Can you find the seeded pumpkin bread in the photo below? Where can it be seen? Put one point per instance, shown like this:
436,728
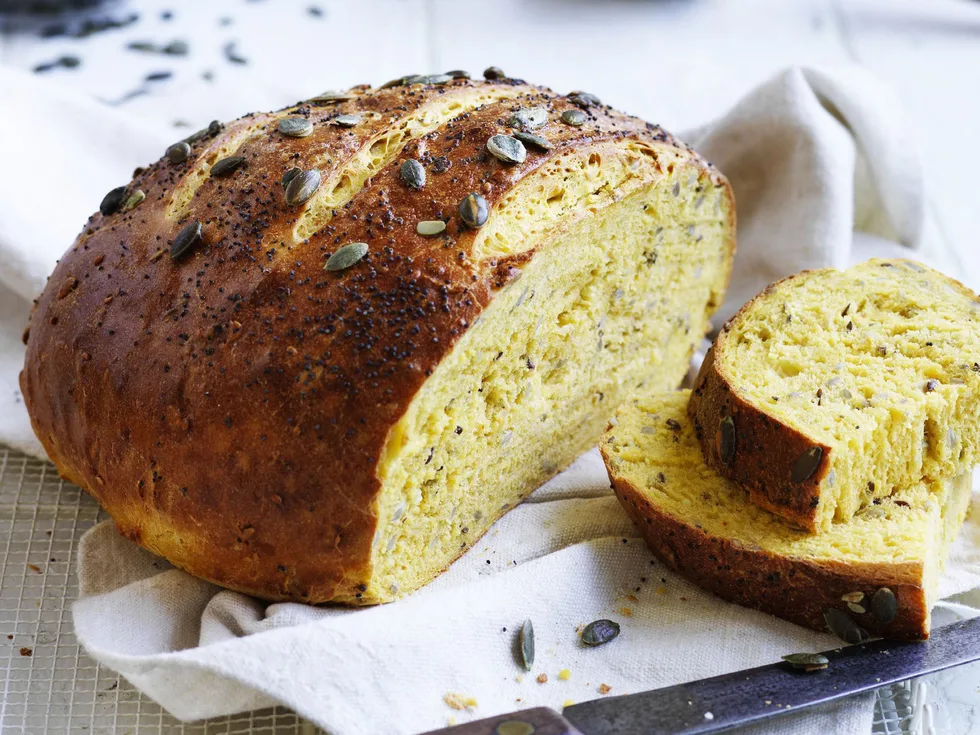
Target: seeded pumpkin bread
832,389
314,354
875,575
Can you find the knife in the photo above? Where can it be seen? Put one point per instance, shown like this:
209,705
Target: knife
744,697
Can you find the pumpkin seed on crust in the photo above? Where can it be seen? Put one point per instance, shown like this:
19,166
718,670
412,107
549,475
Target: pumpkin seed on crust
350,254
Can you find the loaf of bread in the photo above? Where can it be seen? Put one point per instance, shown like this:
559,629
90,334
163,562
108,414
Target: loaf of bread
314,354
875,575
832,389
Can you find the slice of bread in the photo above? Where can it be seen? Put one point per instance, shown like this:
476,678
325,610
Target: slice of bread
704,527
831,389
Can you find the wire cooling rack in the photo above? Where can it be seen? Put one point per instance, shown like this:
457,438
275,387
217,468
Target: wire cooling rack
51,686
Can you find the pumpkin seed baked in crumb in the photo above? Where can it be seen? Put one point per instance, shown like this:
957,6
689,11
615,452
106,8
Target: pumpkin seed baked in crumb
832,389
874,575
333,344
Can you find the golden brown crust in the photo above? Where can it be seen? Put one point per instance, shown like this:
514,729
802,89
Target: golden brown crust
765,450
229,408
797,590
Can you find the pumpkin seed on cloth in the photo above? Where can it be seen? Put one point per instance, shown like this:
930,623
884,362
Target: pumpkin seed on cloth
507,149
302,186
413,174
187,239
295,127
526,643
348,255
600,631
178,152
227,166
474,211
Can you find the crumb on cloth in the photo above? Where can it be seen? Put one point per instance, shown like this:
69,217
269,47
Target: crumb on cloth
459,701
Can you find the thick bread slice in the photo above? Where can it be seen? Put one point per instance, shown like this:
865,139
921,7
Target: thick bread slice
831,389
704,526
343,434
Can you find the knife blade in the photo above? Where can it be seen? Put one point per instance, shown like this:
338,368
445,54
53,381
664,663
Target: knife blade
744,697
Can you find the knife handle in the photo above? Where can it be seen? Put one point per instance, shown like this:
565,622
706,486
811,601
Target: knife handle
537,721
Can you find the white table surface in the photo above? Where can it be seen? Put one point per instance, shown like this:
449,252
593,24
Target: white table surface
676,62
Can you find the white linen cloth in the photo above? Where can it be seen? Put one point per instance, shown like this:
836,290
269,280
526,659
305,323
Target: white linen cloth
813,156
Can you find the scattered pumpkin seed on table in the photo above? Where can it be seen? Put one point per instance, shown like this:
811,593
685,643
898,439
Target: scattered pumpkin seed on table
473,210
413,174
113,201
302,186
227,166
600,631
575,118
507,149
345,257
526,642
189,237
295,127
178,152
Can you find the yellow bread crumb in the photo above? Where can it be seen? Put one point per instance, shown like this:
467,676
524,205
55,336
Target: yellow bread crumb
459,701
564,674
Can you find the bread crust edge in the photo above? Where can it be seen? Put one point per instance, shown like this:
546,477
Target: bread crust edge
752,578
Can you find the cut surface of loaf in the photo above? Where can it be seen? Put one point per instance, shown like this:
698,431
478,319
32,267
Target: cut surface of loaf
831,389
398,318
878,572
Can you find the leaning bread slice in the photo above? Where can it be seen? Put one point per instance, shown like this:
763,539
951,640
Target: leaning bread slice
876,574
831,389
